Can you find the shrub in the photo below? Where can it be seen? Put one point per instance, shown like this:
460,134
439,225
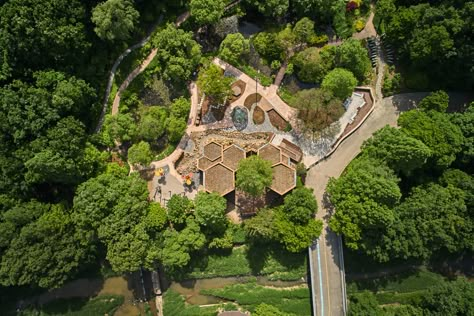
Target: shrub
359,25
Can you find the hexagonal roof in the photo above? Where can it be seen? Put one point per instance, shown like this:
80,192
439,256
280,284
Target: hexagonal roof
220,179
284,178
232,156
213,151
270,153
204,163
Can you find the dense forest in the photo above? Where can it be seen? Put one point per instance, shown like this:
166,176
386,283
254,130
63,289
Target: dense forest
433,41
69,204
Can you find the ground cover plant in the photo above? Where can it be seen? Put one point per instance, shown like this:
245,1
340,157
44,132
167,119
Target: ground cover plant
409,296
100,305
270,261
175,305
295,301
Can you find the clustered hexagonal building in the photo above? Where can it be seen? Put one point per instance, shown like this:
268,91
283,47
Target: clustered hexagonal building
219,164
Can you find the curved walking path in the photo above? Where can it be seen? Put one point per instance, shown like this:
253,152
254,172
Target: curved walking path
329,283
117,63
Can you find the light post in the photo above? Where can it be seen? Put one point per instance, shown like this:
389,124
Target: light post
256,87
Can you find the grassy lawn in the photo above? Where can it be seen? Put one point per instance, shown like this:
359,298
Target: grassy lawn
101,305
249,295
274,263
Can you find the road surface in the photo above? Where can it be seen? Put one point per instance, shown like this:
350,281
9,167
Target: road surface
328,271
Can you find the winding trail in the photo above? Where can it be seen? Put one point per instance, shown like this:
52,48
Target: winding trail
117,63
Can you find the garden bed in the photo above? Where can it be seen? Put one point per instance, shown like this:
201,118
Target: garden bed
252,99
242,85
258,116
277,120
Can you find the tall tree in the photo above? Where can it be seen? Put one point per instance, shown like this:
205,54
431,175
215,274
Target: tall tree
401,152
210,209
340,82
36,35
45,253
436,131
107,209
274,8
207,11
152,124
304,30
300,205
114,19
352,56
364,303
313,64
436,101
450,298
140,154
179,208
254,175
178,54
233,47
214,84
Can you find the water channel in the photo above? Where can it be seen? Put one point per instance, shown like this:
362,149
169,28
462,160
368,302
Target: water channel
190,289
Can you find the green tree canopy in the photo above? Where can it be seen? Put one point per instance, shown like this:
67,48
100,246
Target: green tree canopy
45,252
268,46
364,303
465,122
115,19
254,175
401,152
233,47
304,30
313,64
152,123
177,246
340,82
436,101
273,8
120,127
107,209
352,55
300,205
207,11
214,84
36,35
261,226
175,129
296,237
436,131
140,154
268,310
210,209
437,217
180,108
157,218
179,208
178,54
450,298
